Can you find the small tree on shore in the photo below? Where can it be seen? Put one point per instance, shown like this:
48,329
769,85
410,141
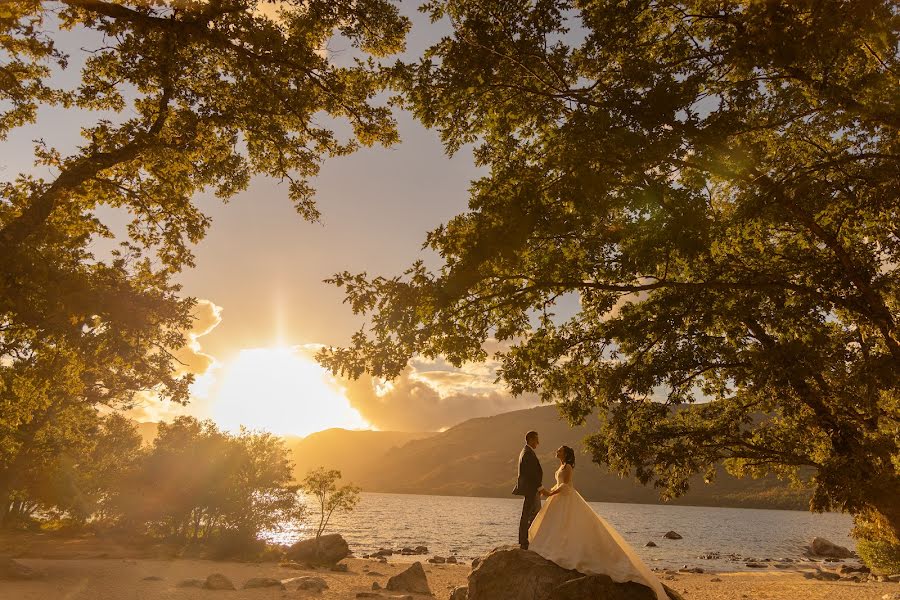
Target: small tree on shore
321,484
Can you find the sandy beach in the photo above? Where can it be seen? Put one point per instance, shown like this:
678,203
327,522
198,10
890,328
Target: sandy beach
124,579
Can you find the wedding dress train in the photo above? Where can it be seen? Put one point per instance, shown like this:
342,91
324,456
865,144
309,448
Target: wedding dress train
568,532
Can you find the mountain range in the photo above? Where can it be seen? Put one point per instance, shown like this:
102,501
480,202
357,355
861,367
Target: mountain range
478,458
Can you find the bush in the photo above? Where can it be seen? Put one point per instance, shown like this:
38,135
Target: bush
881,556
875,544
235,545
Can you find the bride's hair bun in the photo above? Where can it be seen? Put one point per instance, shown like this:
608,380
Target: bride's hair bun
569,456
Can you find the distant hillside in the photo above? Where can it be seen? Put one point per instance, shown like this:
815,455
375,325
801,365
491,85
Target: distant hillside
478,458
355,453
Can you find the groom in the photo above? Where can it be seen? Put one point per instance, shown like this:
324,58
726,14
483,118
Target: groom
527,484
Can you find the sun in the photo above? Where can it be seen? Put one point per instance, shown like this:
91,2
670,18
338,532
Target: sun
282,391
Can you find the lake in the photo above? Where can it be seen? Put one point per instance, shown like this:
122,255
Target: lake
469,527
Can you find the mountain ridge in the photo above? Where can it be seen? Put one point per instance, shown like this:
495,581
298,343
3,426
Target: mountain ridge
478,458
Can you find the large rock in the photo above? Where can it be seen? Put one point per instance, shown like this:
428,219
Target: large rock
460,593
263,582
601,586
327,550
13,569
315,584
823,547
217,581
509,573
411,580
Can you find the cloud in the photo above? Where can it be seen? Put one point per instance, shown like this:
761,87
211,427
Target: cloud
190,360
431,395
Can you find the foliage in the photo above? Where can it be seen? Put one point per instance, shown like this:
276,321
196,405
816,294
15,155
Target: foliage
714,184
191,96
198,483
876,543
321,484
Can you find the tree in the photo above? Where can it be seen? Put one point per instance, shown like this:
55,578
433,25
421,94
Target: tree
196,95
321,484
715,184
197,483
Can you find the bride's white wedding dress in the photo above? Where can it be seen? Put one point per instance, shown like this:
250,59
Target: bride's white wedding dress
568,532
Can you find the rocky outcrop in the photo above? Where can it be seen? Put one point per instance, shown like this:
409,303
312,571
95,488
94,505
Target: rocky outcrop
672,535
823,547
327,550
412,580
509,573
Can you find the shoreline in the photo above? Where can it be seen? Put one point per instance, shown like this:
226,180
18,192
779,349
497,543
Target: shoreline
156,579
674,504
63,546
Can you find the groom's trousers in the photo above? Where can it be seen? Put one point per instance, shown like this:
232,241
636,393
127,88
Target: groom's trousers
530,509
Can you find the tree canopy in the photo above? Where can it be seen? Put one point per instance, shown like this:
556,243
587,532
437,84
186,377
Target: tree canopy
190,95
716,184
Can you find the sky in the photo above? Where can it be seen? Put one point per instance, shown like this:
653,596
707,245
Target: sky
263,308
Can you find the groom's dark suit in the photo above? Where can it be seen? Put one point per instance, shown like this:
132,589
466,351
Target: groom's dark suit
527,484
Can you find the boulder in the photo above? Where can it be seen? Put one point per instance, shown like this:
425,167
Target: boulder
650,545
823,547
340,568
437,560
460,593
315,584
452,560
327,550
822,575
510,573
411,580
263,582
189,583
217,581
672,535
601,586
13,569
376,585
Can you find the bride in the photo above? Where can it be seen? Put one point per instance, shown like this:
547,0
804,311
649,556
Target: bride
568,532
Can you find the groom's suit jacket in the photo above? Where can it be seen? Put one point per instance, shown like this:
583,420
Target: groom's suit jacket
531,475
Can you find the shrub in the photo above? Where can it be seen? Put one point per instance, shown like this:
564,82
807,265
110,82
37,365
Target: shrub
876,545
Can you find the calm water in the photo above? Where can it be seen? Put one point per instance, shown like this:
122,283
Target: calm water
470,527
